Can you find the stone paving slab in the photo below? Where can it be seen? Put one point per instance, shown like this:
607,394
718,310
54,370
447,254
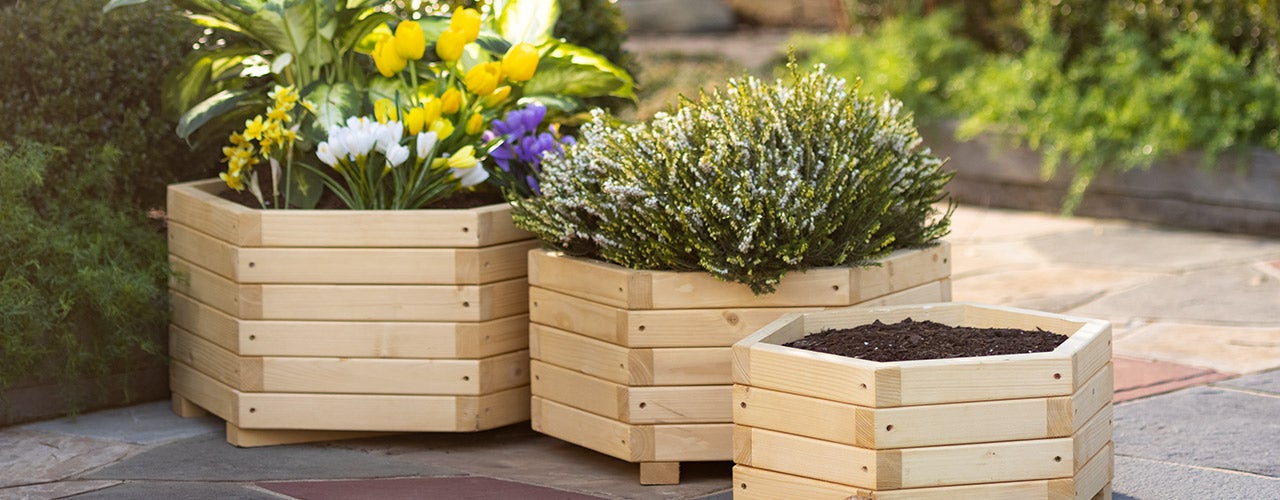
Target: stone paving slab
1203,426
1240,295
1142,248
1142,479
149,423
59,489
1055,289
517,453
452,488
30,457
1268,382
1136,378
210,458
968,259
1229,349
179,490
971,224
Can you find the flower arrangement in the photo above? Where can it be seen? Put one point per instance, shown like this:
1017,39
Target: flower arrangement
438,80
747,184
525,138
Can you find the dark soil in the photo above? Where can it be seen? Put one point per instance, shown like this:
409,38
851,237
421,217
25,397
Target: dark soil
910,340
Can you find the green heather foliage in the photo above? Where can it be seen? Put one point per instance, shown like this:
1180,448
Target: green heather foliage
81,283
747,184
1092,88
75,78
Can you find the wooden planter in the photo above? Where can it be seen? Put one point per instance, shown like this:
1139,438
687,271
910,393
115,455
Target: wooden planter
636,364
815,425
291,325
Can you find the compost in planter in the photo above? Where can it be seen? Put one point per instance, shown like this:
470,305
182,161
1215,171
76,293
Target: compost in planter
912,340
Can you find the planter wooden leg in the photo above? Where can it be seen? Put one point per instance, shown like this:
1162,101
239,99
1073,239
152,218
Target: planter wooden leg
659,472
1104,494
249,438
184,408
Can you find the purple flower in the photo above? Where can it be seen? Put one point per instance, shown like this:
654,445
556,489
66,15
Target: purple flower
523,146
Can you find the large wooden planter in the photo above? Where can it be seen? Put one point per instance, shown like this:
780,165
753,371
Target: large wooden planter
293,324
636,364
814,425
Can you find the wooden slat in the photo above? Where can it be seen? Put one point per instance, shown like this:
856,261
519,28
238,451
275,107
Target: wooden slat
691,442
641,367
794,371
1093,355
588,430
494,263
208,323
365,412
198,388
250,438
578,353
698,327
633,405
494,410
184,407
384,339
193,204
584,392
911,467
1068,414
572,314
659,473
378,266
825,287
394,302
395,376
752,483
203,250
983,379
902,427
217,363
1092,436
206,287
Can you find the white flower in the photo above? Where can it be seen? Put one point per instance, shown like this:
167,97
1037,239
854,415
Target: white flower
397,155
358,142
426,143
326,154
388,135
470,176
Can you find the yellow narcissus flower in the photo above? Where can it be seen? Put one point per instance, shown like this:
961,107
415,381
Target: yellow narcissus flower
385,57
483,79
450,44
520,62
253,128
384,110
414,120
475,124
233,181
279,113
442,127
467,22
410,42
238,139
451,101
499,95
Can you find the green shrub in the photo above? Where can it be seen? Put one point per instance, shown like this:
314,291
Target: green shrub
747,184
82,282
75,78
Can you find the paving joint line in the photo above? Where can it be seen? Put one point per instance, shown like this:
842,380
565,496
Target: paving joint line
1201,467
1242,390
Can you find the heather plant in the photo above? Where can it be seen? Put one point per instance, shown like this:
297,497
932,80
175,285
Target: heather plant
747,183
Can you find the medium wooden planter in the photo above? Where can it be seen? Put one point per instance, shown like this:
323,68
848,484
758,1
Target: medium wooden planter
815,425
636,364
291,325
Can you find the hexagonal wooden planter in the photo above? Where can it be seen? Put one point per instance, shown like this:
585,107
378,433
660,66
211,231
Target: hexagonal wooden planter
636,364
305,325
816,425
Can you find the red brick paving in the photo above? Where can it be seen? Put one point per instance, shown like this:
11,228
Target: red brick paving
426,488
1137,378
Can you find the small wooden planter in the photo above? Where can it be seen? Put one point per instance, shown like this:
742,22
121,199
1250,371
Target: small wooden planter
636,364
816,425
306,325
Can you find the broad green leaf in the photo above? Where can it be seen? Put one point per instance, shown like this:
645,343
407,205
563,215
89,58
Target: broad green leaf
577,71
552,102
334,103
120,3
530,21
353,38
388,88
493,43
200,75
304,187
213,22
215,105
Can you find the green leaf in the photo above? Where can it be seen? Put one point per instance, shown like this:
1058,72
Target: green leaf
557,102
353,37
120,3
200,73
530,21
304,187
493,44
577,71
209,108
334,103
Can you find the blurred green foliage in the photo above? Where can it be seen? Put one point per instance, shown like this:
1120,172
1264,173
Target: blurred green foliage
1093,87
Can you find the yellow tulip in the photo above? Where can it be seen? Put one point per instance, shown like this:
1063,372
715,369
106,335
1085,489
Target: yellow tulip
443,128
384,110
432,106
451,101
415,119
483,79
520,62
410,42
467,22
499,95
475,124
450,44
385,57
